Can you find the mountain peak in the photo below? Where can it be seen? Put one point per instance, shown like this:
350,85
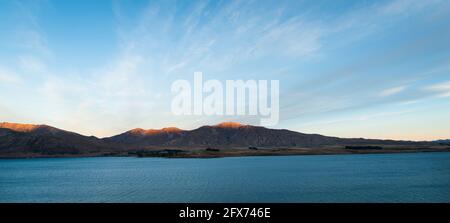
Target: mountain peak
230,125
137,130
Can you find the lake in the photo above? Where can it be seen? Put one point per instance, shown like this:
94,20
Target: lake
406,177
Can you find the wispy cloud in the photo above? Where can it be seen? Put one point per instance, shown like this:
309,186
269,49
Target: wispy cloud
441,89
31,64
9,77
407,6
444,86
391,91
29,34
328,60
358,118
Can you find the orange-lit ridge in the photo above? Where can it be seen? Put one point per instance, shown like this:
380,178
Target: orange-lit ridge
156,131
230,125
19,127
177,130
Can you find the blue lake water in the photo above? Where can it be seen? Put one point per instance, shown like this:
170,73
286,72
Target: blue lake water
407,177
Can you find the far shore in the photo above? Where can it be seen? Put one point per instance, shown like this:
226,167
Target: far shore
235,152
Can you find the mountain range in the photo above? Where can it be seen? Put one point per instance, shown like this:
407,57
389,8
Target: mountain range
43,140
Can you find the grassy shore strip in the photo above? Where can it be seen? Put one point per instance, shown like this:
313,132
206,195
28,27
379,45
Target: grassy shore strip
232,152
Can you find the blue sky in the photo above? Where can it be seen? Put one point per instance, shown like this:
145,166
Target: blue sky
373,69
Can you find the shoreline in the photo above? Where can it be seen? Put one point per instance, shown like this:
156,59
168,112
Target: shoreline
202,154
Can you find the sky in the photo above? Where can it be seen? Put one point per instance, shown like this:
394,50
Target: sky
372,69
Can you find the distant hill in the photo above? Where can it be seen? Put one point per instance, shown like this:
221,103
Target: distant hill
47,140
41,140
443,141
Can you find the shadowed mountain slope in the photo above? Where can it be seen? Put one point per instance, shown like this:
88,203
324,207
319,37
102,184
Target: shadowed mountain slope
43,139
